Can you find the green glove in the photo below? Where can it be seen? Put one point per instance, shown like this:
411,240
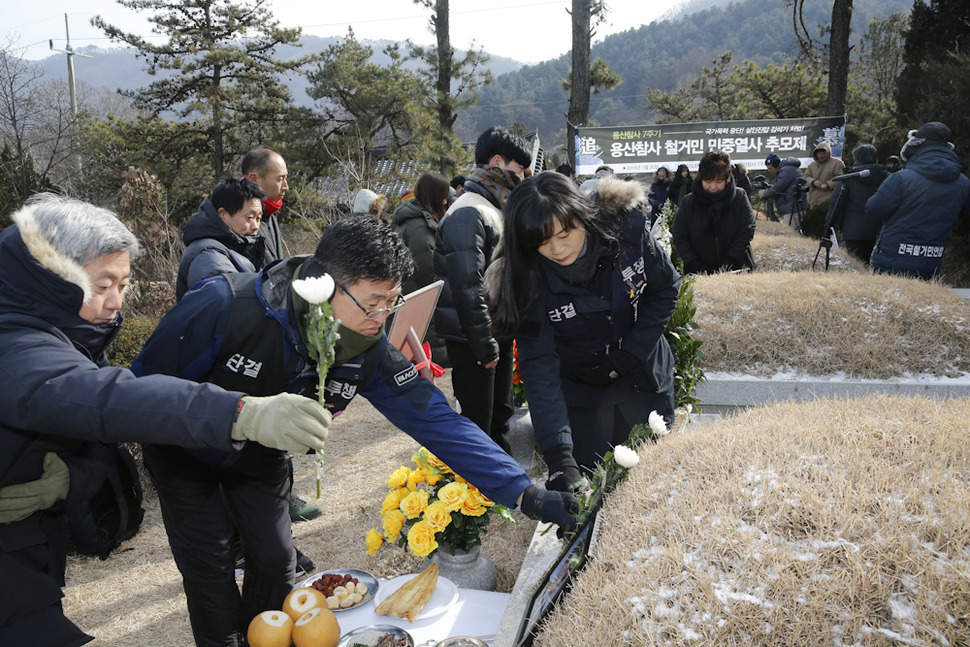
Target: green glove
24,499
286,421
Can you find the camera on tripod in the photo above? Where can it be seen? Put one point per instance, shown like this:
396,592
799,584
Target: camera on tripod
760,184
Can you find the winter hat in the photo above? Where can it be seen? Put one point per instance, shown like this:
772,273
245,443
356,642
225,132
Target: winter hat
772,160
933,133
363,199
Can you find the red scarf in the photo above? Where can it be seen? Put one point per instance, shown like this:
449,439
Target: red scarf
270,207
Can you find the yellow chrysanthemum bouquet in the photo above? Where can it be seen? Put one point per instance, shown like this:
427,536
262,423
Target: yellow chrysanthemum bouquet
431,505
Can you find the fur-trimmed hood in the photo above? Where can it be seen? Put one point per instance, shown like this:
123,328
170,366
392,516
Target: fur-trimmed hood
47,255
36,278
614,196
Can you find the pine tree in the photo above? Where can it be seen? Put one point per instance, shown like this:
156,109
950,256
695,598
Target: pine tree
225,72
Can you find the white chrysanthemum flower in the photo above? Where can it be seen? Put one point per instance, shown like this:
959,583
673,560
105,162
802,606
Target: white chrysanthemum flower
625,456
657,424
316,289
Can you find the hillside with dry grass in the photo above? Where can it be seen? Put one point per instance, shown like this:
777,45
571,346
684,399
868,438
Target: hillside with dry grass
785,318
823,523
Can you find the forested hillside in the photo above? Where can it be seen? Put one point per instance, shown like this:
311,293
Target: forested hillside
663,55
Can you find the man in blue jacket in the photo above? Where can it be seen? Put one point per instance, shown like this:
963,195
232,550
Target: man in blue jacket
64,267
783,190
247,332
919,205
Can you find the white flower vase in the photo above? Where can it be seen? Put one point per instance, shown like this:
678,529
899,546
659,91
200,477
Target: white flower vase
468,569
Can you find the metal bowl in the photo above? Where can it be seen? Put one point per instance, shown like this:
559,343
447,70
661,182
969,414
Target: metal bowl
359,635
462,641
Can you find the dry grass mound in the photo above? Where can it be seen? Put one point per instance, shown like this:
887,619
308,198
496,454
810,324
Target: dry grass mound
856,325
847,528
779,248
135,598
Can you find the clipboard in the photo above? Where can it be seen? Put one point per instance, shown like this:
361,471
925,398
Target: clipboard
411,323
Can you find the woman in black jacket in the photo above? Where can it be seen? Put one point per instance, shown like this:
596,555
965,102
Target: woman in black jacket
680,185
715,224
586,292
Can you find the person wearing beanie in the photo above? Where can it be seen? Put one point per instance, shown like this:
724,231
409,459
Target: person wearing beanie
367,202
893,164
783,190
820,172
918,205
849,198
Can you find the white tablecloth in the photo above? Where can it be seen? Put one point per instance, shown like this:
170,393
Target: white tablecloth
476,613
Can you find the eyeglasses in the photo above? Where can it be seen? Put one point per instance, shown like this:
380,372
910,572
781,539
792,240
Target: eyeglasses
374,314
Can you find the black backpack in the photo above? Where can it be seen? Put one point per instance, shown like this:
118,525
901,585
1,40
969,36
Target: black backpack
99,525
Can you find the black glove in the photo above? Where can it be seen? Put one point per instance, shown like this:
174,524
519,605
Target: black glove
623,361
600,375
564,473
550,507
695,267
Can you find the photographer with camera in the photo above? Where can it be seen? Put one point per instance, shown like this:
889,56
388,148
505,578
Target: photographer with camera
783,190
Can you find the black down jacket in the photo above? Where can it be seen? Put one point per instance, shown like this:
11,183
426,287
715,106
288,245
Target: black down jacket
464,245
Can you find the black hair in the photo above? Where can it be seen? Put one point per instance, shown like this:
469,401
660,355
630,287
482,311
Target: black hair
256,160
502,141
233,192
457,181
431,191
715,165
566,169
537,209
363,248
865,154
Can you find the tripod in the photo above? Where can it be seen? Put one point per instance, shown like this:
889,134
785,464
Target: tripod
800,206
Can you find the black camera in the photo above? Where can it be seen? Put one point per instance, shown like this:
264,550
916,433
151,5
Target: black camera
760,184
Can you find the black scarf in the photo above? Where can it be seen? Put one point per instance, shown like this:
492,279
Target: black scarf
583,268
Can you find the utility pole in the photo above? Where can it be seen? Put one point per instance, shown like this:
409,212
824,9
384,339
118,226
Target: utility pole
71,84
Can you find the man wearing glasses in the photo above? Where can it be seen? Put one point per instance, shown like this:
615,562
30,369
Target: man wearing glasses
246,330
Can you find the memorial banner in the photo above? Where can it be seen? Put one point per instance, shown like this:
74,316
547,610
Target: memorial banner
644,149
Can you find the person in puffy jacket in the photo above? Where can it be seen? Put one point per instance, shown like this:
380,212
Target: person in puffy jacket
783,190
859,229
919,205
820,172
221,237
714,226
64,267
249,332
586,292
465,243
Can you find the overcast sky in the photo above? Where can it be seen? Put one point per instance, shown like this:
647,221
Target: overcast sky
532,31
